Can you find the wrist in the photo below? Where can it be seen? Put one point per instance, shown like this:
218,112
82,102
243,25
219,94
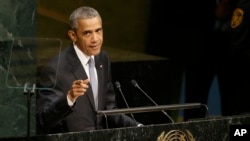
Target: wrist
69,96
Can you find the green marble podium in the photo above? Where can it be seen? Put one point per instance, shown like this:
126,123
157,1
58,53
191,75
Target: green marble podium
210,129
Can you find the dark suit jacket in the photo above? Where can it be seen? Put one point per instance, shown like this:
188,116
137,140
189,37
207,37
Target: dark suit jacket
54,115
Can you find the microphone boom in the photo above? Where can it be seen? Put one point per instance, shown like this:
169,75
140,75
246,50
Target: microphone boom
135,84
118,86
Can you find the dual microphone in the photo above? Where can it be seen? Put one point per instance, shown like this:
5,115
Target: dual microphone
135,84
118,86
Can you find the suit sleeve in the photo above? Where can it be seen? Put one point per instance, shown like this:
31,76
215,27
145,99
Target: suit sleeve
51,103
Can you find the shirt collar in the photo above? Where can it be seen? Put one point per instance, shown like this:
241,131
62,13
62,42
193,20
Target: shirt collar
82,56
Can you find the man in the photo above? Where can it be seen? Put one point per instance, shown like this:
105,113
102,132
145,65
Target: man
66,102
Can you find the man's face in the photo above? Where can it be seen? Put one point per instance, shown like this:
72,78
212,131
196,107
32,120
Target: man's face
88,36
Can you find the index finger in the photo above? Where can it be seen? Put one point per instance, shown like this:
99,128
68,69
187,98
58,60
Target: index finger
86,81
78,81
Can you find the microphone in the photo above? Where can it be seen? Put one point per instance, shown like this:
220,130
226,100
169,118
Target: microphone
118,86
135,84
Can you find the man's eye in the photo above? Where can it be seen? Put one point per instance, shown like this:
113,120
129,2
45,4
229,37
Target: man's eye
86,33
99,30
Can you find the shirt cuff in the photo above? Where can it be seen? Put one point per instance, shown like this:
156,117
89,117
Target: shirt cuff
70,103
139,125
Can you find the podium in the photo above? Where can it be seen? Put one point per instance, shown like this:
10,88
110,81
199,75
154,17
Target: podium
211,129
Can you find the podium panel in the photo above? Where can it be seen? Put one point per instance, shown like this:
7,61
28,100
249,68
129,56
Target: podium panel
213,129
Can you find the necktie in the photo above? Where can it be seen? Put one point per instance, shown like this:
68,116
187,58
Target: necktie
93,80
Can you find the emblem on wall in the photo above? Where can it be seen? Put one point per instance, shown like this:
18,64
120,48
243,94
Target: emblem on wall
176,135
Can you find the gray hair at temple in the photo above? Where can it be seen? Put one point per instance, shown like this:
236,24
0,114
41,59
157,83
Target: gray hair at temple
83,12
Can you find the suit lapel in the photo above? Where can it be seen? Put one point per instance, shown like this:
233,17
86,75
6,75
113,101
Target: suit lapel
79,73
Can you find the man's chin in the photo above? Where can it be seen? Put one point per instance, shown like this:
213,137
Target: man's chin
96,52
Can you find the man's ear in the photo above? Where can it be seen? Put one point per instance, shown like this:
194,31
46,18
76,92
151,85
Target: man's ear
72,35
